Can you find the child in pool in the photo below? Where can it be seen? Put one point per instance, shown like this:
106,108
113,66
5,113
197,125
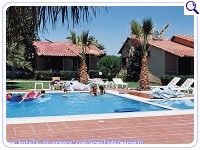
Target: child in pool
65,86
39,94
9,96
102,90
94,90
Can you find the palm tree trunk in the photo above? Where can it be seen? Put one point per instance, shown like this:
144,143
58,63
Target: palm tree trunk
83,71
144,75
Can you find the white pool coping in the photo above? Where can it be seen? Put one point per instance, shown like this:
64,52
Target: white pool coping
44,119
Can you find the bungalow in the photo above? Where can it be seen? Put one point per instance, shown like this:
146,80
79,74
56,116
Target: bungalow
172,57
64,56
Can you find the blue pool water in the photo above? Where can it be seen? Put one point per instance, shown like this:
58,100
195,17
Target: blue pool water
180,104
54,104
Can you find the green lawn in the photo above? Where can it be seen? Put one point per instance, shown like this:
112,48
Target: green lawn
30,84
25,85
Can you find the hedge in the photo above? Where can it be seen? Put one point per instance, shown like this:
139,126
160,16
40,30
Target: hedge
68,75
43,75
95,74
65,75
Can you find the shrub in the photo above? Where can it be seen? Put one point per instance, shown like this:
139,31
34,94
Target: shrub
122,75
95,74
68,75
64,75
165,79
43,75
110,66
134,65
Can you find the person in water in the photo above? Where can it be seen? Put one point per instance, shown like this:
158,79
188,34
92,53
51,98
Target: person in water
65,86
39,94
93,90
32,94
9,96
102,90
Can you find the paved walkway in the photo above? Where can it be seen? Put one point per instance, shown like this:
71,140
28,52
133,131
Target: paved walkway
176,129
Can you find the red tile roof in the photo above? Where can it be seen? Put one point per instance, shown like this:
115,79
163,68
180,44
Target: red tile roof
63,49
180,45
174,48
185,37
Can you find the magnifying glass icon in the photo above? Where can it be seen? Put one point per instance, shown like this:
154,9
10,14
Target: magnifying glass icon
191,6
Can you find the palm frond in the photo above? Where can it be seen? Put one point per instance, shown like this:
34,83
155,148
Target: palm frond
135,28
147,26
84,37
164,29
73,37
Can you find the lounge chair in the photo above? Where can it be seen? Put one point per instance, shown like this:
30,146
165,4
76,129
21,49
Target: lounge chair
186,86
171,84
118,81
56,83
99,82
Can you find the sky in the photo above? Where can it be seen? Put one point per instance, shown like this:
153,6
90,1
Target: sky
112,27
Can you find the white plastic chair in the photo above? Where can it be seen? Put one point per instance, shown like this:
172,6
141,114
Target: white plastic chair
99,82
118,81
186,86
171,84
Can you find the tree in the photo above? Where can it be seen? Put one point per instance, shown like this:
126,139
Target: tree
81,42
92,40
41,15
134,64
143,31
16,57
83,65
141,34
25,21
110,66
22,41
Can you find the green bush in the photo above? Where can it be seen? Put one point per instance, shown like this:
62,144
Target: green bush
68,75
110,66
43,75
134,65
122,75
64,75
165,79
95,74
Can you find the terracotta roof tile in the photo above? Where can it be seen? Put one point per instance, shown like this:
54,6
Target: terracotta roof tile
63,49
174,48
186,37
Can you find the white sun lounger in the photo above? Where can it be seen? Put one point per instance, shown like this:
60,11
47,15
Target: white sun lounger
185,87
118,81
171,84
99,82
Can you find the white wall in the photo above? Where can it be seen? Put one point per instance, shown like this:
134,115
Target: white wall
156,61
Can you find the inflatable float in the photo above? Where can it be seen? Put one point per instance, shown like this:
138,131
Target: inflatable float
27,98
18,99
127,110
165,93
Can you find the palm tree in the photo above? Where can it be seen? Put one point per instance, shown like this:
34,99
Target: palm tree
143,31
82,43
83,65
147,27
163,30
43,15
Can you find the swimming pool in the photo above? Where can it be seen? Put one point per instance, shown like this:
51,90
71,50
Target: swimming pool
75,103
180,104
